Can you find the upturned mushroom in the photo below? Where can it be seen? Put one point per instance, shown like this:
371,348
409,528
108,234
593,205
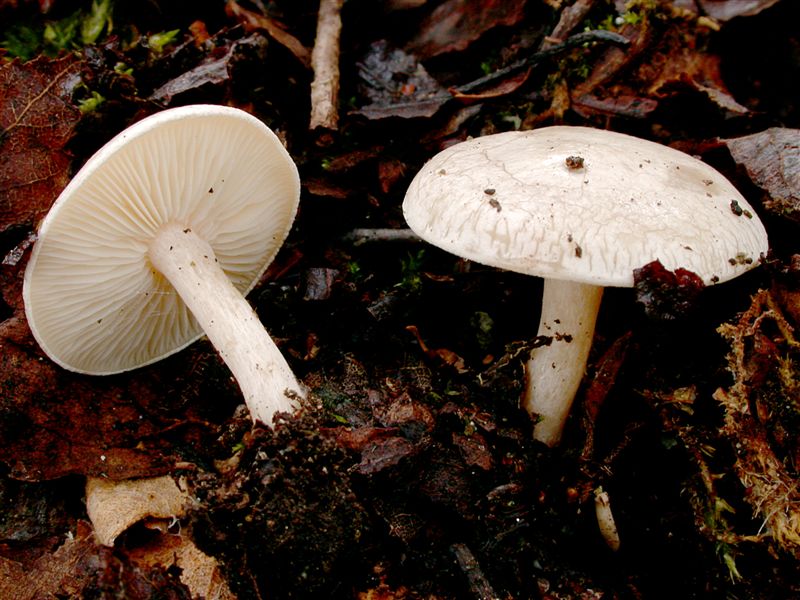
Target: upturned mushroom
155,242
582,208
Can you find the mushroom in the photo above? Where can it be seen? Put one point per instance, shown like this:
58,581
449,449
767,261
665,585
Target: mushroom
155,242
582,208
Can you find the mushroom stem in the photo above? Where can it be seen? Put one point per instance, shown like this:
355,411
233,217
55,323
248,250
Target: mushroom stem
233,327
554,372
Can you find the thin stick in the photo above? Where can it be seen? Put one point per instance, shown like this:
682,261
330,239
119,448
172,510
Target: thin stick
362,236
478,584
325,63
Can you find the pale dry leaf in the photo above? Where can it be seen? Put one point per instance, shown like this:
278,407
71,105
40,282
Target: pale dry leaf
113,506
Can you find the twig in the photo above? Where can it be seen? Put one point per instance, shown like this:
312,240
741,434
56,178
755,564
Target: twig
578,39
362,236
570,18
325,63
478,584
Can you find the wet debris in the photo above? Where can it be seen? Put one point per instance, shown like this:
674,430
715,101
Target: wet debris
666,295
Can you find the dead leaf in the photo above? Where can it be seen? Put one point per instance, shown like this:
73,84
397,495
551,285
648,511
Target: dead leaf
198,571
381,454
397,85
501,88
114,506
275,29
54,423
443,355
215,70
455,24
37,119
78,568
680,63
772,161
474,450
725,10
600,384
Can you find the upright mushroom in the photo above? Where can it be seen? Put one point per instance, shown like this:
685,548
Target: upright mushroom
156,241
582,208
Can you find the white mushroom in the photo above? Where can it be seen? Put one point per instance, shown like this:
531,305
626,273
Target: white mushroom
582,208
156,241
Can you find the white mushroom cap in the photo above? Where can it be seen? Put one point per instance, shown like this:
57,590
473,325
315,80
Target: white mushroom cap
512,201
92,298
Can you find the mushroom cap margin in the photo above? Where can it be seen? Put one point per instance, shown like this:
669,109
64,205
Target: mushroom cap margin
583,204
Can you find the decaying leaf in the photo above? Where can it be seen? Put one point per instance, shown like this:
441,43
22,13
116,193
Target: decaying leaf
397,85
772,161
214,70
113,506
725,10
455,24
275,29
78,568
37,119
199,572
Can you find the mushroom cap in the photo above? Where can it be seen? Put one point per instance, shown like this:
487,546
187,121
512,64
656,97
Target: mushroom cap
93,301
585,205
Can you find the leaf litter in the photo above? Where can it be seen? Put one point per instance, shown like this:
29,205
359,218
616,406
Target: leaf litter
415,474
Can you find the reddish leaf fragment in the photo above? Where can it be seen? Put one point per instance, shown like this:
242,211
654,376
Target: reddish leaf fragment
678,62
404,412
390,172
37,119
358,438
53,423
502,88
624,106
664,294
455,24
772,160
442,355
725,10
384,454
599,387
397,85
474,450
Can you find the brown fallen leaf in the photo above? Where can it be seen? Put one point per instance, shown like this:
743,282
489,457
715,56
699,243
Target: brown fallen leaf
114,506
772,161
725,10
276,30
397,85
37,119
78,568
214,70
198,571
443,355
453,25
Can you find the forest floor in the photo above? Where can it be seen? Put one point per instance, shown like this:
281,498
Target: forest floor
411,470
